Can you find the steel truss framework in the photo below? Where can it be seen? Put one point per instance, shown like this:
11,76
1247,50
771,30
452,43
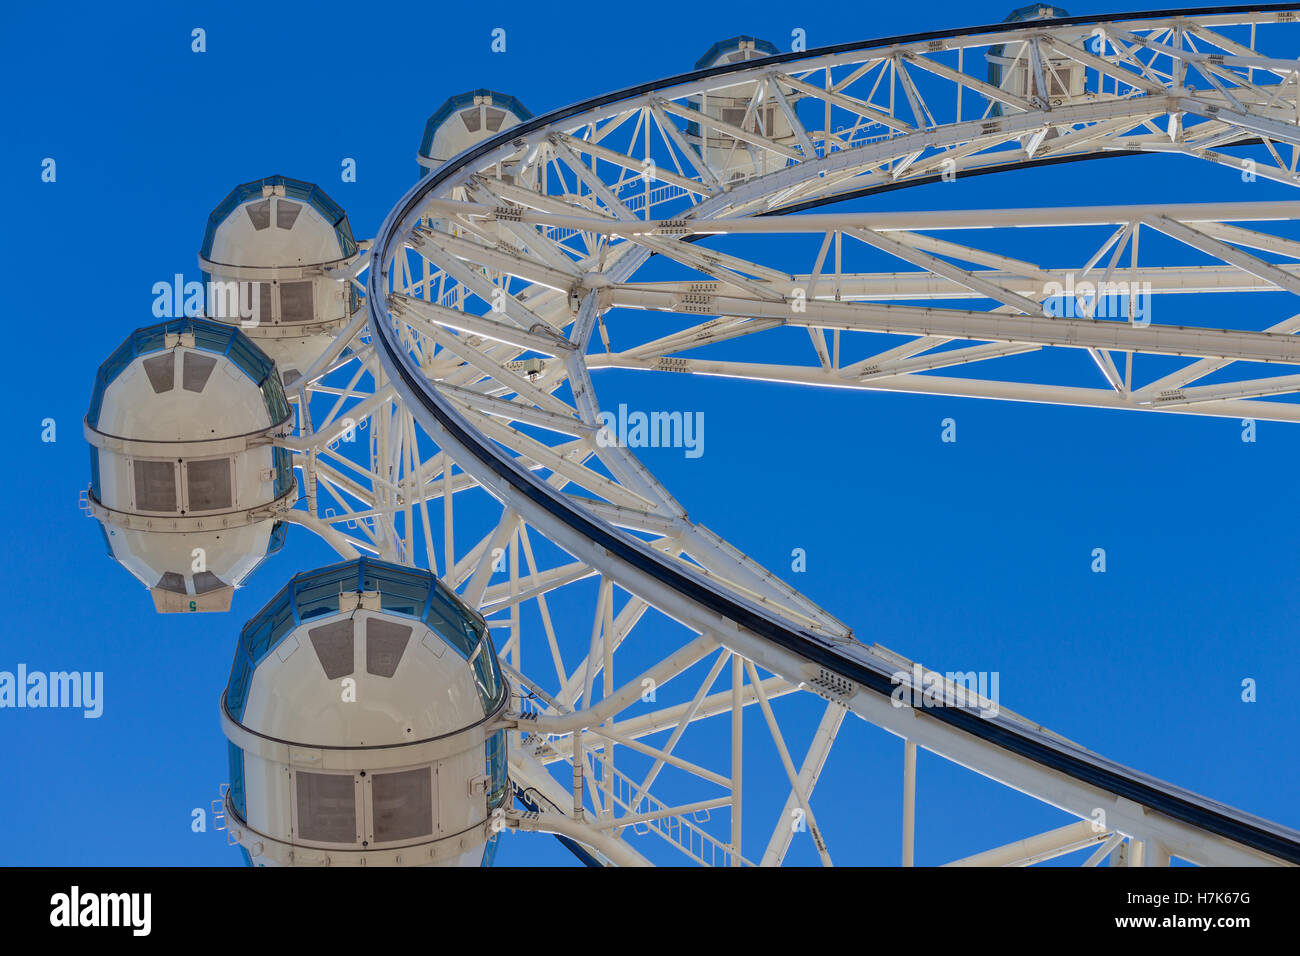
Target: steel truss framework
505,277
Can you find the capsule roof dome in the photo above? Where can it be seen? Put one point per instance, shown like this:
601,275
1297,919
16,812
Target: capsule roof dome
724,51
209,336
403,592
443,113
309,193
1036,11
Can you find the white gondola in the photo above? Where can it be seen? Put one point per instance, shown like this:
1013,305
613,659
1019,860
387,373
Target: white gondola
277,250
749,106
362,712
184,480
465,120
1054,80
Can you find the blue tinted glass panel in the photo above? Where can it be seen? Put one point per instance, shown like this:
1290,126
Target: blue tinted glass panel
269,627
451,622
490,851
118,361
401,591
487,677
237,780
496,769
249,358
151,339
257,636
318,593
94,472
283,463
241,676
213,337
276,403
279,531
96,402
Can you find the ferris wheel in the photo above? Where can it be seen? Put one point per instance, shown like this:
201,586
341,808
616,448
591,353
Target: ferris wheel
526,629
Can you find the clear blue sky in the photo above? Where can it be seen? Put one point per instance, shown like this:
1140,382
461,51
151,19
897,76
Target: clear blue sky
967,556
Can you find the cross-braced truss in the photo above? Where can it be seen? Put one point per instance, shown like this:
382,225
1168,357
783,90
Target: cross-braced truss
634,638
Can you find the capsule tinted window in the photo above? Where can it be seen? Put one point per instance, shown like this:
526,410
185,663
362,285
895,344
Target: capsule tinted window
385,643
295,301
333,643
171,581
494,118
161,370
205,581
208,483
260,213
472,119
318,593
327,807
264,302
734,116
286,213
403,804
195,371
155,485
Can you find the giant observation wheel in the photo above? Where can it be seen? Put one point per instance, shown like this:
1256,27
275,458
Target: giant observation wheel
447,416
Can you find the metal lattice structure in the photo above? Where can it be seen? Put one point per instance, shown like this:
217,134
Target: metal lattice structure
504,278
